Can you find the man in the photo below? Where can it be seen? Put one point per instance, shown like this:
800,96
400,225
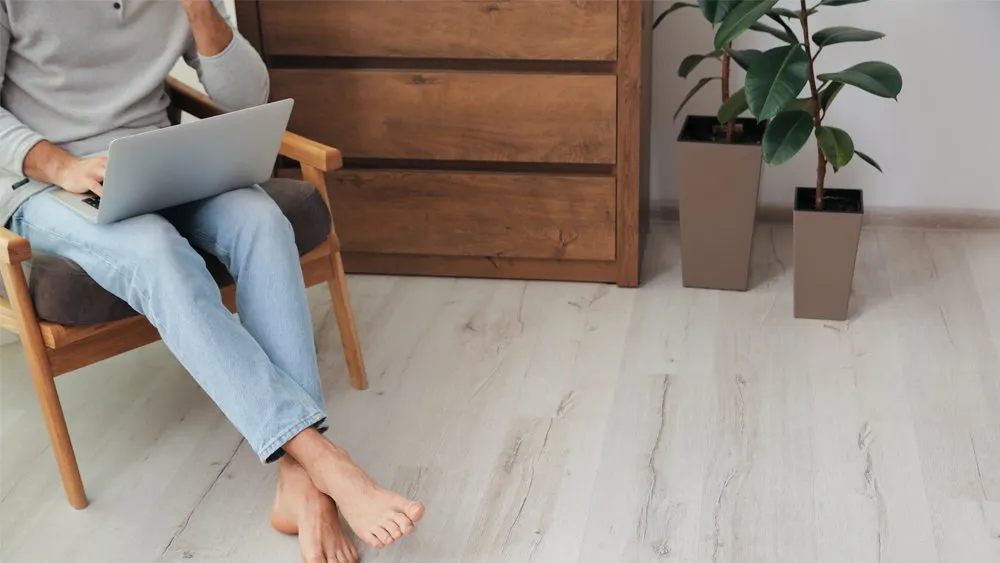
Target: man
75,74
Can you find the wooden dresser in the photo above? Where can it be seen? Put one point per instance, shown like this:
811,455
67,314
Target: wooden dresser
481,138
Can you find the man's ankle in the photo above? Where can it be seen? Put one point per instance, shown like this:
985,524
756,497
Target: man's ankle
310,448
307,447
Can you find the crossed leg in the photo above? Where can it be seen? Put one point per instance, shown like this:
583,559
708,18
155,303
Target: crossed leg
261,369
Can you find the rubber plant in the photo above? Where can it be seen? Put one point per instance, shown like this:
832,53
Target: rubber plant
736,12
776,77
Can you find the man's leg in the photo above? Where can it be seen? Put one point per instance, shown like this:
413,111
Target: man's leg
253,239
147,263
248,232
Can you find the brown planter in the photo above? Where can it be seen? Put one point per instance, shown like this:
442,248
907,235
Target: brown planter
826,248
718,184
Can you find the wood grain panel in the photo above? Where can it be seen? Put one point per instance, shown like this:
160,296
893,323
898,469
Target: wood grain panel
479,267
248,22
634,27
456,29
475,214
454,115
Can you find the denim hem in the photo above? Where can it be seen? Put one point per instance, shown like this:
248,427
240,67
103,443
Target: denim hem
272,450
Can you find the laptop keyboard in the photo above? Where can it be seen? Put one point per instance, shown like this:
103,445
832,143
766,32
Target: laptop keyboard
93,201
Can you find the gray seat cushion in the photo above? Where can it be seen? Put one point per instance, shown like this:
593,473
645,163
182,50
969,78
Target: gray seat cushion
63,293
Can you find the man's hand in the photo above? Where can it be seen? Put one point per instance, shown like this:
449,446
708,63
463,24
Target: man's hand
46,162
84,175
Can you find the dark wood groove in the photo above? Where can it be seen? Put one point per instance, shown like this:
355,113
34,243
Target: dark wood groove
468,65
479,267
469,166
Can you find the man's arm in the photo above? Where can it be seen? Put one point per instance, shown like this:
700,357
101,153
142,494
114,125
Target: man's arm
16,139
232,72
23,151
211,32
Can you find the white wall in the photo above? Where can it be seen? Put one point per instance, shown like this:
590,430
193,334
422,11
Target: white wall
939,145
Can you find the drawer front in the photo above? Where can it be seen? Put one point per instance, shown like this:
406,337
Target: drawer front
475,214
457,29
454,115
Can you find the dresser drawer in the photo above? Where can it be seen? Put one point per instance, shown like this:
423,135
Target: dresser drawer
457,29
468,116
475,214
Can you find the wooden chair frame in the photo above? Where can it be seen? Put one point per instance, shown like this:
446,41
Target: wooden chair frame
53,349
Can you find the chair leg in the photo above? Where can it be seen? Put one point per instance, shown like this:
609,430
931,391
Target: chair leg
345,322
45,384
55,422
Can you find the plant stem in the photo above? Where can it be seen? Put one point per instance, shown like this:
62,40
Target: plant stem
726,67
817,117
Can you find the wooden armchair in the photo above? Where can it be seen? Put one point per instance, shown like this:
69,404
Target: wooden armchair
56,348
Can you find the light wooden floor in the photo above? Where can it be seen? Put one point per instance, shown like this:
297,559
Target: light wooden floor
554,422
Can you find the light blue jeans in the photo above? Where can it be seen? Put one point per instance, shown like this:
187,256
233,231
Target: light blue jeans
259,369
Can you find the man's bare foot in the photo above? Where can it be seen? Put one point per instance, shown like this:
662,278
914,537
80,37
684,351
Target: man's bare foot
378,516
300,508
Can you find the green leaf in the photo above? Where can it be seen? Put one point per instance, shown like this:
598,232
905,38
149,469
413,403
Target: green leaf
740,18
785,13
801,104
826,95
692,61
844,34
779,33
775,79
676,6
733,107
788,29
785,136
841,2
873,77
869,160
836,145
744,58
715,10
697,87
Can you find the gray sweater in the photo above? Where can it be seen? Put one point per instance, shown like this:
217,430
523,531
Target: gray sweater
80,73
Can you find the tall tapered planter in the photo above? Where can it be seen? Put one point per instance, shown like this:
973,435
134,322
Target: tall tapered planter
826,249
718,185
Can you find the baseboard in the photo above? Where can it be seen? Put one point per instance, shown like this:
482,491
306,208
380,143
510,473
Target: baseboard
914,218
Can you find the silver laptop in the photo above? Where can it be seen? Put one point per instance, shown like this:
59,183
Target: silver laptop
152,171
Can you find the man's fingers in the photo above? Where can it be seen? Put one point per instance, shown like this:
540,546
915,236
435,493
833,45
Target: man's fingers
96,187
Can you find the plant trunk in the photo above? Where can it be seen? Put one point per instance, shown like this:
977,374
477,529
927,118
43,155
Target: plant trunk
817,116
726,67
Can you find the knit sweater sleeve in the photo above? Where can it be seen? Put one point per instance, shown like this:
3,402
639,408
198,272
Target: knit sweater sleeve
236,78
16,139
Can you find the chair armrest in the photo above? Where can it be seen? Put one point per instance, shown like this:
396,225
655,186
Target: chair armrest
310,153
13,248
295,147
189,100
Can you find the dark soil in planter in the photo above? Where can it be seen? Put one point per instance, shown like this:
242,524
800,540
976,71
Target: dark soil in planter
834,200
706,129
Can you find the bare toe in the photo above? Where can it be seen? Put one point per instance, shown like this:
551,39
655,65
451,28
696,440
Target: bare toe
414,511
393,528
404,523
383,535
372,540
